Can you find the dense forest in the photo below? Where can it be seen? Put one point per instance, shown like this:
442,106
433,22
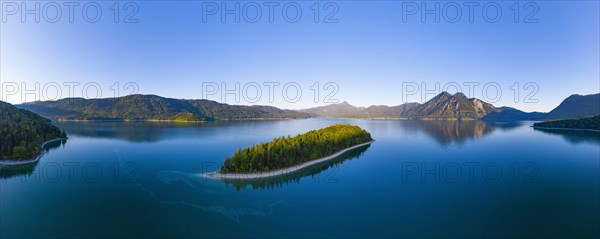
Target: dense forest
152,107
583,123
283,152
22,132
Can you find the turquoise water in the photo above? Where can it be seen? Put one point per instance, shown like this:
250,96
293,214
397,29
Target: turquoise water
419,179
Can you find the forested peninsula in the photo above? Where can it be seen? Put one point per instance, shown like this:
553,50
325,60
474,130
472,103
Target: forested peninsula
288,151
23,133
587,123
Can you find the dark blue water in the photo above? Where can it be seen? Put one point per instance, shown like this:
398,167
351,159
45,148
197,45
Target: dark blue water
435,179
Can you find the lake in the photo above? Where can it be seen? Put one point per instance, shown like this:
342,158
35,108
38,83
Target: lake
418,179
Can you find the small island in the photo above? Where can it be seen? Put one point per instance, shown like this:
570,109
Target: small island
24,134
288,154
587,123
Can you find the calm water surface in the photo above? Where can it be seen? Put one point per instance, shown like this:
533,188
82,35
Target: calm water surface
419,179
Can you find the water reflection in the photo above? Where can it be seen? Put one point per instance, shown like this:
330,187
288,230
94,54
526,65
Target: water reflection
27,169
448,132
191,189
11,171
181,188
141,131
444,132
168,197
574,136
314,171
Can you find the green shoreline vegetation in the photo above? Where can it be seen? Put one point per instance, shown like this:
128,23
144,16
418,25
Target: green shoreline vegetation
287,151
23,133
587,123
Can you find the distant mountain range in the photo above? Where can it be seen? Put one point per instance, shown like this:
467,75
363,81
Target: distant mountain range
574,106
335,110
346,110
458,106
442,106
152,107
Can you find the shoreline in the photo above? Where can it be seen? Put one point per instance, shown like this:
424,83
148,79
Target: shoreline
173,121
31,160
279,172
576,129
123,120
400,118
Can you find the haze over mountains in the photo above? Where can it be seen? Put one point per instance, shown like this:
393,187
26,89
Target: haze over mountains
443,106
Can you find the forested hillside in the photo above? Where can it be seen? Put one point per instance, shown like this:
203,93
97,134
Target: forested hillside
576,106
152,107
22,132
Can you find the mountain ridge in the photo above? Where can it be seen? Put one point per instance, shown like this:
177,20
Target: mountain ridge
576,106
444,106
448,106
333,110
153,107
459,106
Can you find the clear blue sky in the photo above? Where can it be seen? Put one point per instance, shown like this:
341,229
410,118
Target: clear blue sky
368,53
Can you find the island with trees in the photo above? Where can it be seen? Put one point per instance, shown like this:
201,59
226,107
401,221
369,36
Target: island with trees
23,134
587,123
287,154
